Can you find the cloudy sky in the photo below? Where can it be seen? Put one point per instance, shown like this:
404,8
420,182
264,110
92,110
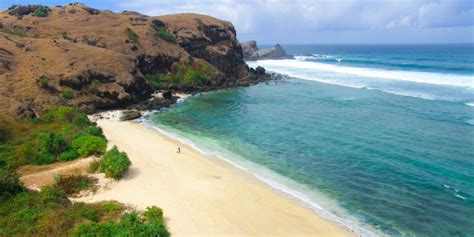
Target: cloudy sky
319,21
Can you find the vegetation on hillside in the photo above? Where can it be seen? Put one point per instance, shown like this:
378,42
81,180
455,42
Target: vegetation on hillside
51,213
63,133
59,134
132,35
68,93
185,76
163,33
41,11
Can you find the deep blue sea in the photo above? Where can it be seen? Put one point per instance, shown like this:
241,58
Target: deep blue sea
377,137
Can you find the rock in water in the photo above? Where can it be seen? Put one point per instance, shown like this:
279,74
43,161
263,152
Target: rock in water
252,52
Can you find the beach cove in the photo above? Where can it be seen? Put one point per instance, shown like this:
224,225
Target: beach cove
203,195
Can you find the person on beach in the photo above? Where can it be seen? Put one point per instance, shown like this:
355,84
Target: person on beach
179,150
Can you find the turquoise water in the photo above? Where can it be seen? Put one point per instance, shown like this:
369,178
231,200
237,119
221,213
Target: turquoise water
390,163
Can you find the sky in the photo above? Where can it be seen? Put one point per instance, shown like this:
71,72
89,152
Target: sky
318,21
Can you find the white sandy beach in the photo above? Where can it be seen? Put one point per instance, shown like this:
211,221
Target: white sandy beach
203,196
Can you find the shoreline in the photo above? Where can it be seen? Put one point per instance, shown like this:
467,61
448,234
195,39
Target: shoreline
280,184
198,192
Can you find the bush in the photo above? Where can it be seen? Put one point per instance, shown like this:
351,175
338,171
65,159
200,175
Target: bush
114,163
132,35
50,213
41,11
94,130
43,81
93,167
185,75
45,139
161,32
9,182
73,184
153,213
68,155
45,146
131,224
68,93
87,145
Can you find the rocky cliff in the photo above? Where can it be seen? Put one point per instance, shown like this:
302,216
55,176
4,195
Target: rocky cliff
252,52
98,59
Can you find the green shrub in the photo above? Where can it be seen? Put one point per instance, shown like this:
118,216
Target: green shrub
185,75
131,224
45,139
43,81
93,167
87,145
9,182
68,155
63,115
94,130
68,93
50,213
43,159
153,213
52,143
45,146
41,11
114,163
73,184
157,81
54,195
132,35
161,32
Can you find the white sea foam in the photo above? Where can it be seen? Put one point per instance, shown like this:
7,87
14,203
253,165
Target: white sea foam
279,183
282,66
470,104
459,196
470,121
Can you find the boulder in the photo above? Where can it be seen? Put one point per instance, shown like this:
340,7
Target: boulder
129,115
167,95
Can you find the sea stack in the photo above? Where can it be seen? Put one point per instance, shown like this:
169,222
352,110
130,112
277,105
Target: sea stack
251,52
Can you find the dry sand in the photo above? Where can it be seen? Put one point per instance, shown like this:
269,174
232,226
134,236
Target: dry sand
203,196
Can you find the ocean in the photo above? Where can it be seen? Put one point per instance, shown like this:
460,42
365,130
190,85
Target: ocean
377,137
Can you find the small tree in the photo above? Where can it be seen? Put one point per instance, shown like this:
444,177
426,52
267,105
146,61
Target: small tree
114,163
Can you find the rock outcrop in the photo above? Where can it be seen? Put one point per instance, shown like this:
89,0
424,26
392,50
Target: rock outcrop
251,52
98,59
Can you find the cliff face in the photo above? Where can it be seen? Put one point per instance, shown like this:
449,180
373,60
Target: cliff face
95,59
252,52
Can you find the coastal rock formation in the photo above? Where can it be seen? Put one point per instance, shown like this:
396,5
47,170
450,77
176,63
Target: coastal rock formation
252,52
98,59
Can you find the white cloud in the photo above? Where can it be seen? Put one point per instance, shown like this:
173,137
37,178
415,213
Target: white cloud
267,16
